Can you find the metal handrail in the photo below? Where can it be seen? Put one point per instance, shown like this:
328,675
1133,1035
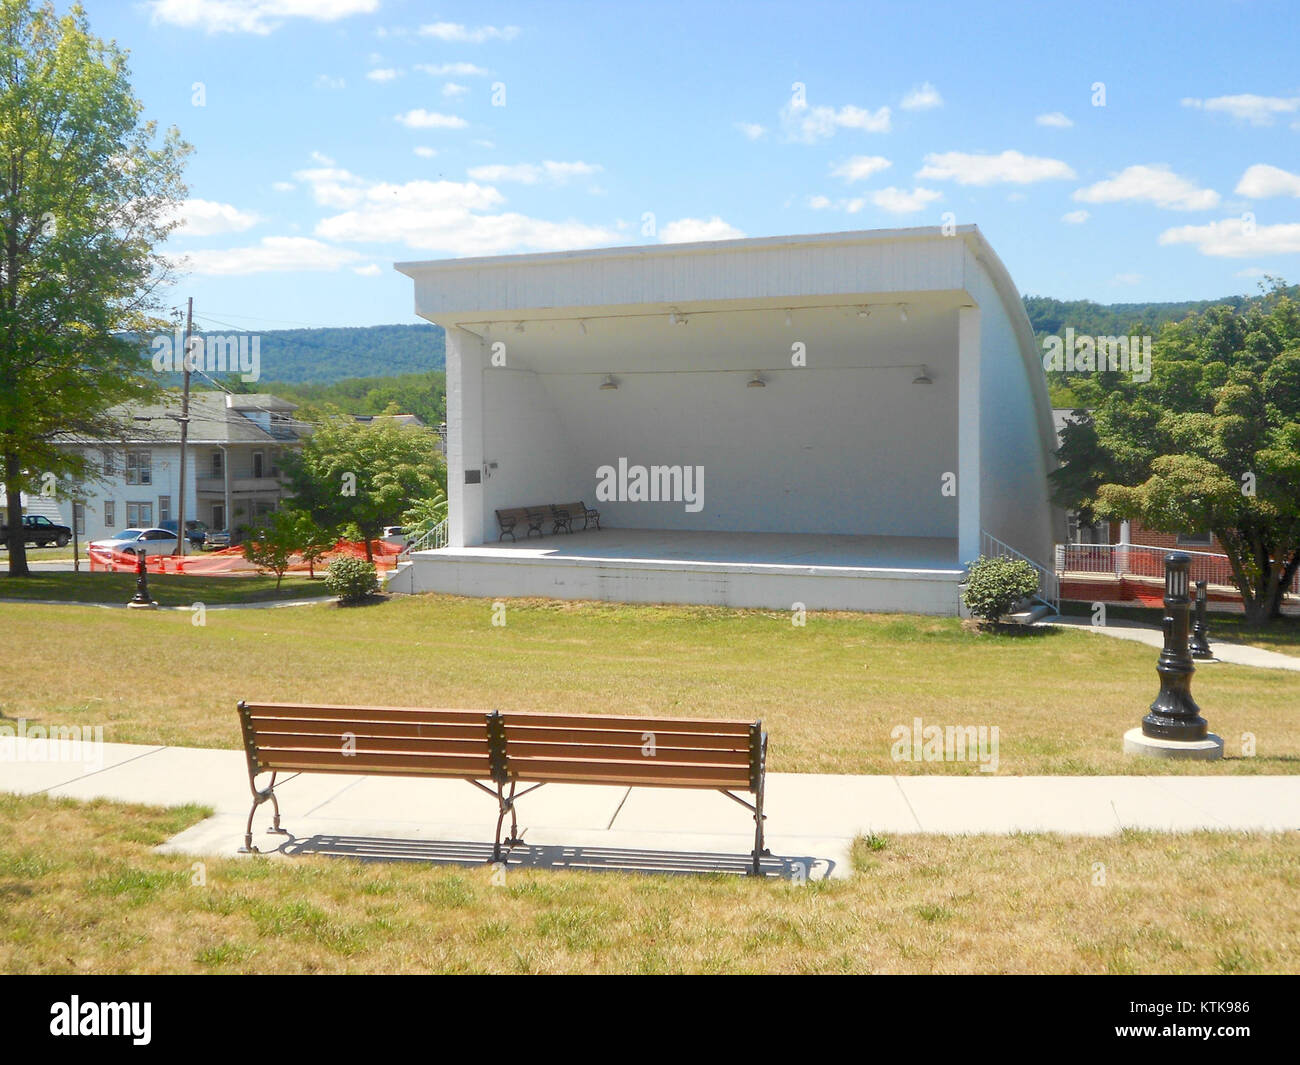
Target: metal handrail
1145,560
1049,584
429,541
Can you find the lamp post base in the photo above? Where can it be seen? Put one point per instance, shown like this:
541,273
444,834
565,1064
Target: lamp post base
1209,749
133,605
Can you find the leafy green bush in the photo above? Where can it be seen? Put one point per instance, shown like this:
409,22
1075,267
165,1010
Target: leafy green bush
995,585
352,579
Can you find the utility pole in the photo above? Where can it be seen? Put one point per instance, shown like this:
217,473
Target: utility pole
181,536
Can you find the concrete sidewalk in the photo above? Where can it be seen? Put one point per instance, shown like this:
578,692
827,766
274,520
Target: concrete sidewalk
812,819
1239,654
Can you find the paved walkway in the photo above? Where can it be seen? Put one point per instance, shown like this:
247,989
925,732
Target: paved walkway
812,819
270,604
1239,654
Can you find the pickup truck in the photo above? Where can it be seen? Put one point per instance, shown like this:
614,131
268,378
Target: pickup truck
39,530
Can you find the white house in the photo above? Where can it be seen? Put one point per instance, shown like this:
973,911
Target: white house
841,420
233,473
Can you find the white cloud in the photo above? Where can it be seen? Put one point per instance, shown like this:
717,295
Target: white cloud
1247,107
458,33
369,270
252,16
687,230
818,203
1054,119
922,98
384,74
752,130
1232,238
1261,181
812,124
860,167
452,90
324,81
456,218
321,159
1126,279
1155,184
532,174
1075,218
332,187
1252,272
206,218
451,70
269,254
283,186
900,201
419,118
973,168
424,152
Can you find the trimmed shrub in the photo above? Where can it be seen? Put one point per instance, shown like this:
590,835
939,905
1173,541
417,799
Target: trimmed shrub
352,579
995,585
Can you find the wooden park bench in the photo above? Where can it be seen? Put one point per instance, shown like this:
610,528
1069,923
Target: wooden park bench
533,517
497,751
565,514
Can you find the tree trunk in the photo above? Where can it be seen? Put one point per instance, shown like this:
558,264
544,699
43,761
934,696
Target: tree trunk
370,551
14,519
1283,582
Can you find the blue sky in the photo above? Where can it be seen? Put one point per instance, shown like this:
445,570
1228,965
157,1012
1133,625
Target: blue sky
336,137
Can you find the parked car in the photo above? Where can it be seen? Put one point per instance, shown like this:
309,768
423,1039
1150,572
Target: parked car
195,531
216,539
139,542
394,534
39,530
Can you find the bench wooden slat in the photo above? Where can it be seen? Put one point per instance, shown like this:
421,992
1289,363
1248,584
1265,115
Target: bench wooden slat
630,774
718,726
316,742
284,758
662,737
389,729
365,713
579,751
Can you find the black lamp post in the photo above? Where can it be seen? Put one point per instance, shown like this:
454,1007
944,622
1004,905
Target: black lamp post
141,600
1174,715
1200,642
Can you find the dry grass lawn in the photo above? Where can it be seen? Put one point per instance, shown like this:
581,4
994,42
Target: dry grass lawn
83,892
830,692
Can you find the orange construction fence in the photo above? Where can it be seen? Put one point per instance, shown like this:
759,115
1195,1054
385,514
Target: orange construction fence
230,562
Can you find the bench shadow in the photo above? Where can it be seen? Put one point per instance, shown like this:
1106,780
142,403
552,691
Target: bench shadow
585,858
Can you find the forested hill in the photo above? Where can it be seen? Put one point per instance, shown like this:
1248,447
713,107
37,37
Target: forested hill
322,356
1050,317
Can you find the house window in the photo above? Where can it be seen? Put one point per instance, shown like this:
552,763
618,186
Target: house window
110,513
1198,539
108,464
164,508
79,518
218,464
139,467
257,464
139,515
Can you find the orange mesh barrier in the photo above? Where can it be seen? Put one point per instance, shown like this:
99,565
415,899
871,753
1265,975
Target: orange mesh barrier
230,562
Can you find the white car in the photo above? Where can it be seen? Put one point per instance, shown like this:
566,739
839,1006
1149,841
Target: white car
139,542
395,535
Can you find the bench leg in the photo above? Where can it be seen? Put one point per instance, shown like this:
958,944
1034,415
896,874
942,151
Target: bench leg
506,804
259,797
759,818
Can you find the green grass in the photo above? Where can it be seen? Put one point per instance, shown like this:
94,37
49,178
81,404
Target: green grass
83,891
1281,634
830,693
168,589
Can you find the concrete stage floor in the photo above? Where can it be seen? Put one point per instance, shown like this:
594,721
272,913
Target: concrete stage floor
747,549
741,569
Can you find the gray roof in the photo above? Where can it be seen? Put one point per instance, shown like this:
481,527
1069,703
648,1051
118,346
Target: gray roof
215,418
